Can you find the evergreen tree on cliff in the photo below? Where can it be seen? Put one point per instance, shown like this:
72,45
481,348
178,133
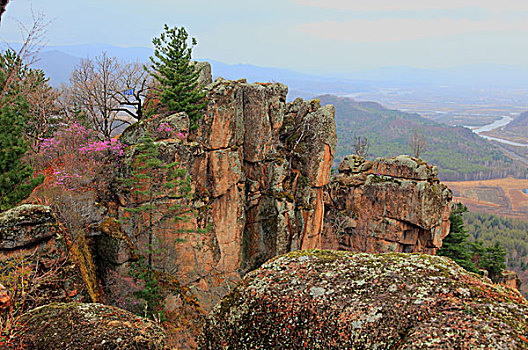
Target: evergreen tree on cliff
173,69
16,177
456,245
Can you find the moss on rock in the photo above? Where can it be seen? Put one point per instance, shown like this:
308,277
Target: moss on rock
88,326
343,300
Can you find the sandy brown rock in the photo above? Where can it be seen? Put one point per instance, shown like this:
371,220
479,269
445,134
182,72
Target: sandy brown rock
510,279
344,300
386,205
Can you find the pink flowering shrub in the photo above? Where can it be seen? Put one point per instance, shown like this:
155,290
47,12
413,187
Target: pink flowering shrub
165,131
74,158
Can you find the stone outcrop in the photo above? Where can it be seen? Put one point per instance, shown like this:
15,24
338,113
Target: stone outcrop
260,174
34,248
335,299
258,166
26,226
510,279
386,205
88,326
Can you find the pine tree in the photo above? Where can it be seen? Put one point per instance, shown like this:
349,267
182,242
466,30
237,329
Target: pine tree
16,177
145,189
456,245
173,69
493,260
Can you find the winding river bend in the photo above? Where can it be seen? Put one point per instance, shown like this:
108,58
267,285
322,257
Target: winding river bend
505,120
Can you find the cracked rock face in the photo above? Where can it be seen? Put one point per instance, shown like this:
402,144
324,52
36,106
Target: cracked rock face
27,225
334,299
258,166
386,205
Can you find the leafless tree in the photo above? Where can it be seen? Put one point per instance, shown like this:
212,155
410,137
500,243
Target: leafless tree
109,93
417,143
138,85
43,114
14,71
361,146
94,89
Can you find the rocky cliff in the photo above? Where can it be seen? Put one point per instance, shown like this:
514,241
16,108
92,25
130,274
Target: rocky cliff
258,167
259,170
386,205
260,173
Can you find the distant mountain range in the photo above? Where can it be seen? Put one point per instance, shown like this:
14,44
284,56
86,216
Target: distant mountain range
58,62
457,151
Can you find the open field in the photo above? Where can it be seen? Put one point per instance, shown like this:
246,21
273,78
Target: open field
498,196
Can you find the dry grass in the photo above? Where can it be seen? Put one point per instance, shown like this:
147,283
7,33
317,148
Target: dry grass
509,200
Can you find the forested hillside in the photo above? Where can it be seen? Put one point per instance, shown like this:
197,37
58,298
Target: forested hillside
518,125
512,235
459,153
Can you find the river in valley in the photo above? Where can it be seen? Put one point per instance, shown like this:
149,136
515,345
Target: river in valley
505,120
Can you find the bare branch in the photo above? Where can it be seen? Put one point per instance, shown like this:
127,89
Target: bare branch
417,143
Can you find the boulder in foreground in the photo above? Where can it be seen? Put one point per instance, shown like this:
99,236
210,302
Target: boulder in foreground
344,300
88,326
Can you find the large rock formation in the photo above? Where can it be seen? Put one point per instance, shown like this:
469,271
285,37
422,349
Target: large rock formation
88,326
260,177
386,205
260,172
344,300
258,167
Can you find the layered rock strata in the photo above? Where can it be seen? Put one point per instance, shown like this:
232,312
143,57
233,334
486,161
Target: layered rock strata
386,205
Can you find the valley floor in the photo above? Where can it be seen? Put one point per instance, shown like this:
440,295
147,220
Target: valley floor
502,197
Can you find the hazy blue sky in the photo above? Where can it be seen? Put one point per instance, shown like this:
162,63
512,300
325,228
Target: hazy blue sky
306,35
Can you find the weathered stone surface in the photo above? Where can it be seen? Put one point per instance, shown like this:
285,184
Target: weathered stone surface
88,326
177,121
34,248
386,205
344,300
26,225
510,279
258,166
205,77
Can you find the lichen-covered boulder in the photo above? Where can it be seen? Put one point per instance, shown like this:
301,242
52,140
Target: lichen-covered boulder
323,299
88,326
26,225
